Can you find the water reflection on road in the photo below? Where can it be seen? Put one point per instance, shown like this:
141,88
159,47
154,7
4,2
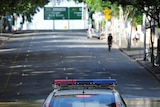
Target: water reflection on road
131,102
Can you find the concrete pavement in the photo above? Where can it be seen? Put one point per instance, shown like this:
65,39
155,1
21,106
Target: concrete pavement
4,37
135,52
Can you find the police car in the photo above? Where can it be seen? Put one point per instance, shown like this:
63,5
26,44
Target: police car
84,93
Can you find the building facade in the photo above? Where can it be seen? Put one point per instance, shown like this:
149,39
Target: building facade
59,15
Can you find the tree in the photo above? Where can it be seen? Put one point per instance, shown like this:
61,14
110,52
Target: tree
150,7
100,5
152,10
26,8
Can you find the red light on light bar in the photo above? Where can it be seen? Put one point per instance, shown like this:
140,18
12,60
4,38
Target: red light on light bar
83,96
59,82
46,104
118,104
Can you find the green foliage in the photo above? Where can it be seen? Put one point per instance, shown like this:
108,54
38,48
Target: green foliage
150,7
102,25
24,7
138,17
100,5
95,5
138,20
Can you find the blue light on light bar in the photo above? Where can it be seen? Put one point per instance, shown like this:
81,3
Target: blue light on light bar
105,81
85,81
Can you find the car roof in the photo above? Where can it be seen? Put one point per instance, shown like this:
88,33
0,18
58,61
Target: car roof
85,91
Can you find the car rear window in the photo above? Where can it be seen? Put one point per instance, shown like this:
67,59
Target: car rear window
83,101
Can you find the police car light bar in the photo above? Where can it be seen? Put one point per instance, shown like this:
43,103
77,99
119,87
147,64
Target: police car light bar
85,82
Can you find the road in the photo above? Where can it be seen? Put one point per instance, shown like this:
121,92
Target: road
30,62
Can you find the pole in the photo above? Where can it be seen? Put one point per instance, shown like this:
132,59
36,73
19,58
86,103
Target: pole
129,34
158,51
121,25
106,29
53,4
68,18
1,25
144,31
119,36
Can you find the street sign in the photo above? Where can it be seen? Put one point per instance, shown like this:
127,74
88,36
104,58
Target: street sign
62,13
75,13
106,12
48,13
58,13
108,17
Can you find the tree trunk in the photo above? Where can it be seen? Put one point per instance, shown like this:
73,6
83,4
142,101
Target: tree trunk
152,47
158,51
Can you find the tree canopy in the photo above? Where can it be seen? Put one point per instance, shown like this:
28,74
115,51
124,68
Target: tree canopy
27,8
150,7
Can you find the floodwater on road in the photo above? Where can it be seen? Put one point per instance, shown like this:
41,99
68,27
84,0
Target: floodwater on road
131,102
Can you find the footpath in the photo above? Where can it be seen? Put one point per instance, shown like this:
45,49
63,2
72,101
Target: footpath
4,37
136,52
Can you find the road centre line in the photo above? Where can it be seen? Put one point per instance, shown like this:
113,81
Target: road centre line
64,69
104,69
27,55
99,62
26,59
12,66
